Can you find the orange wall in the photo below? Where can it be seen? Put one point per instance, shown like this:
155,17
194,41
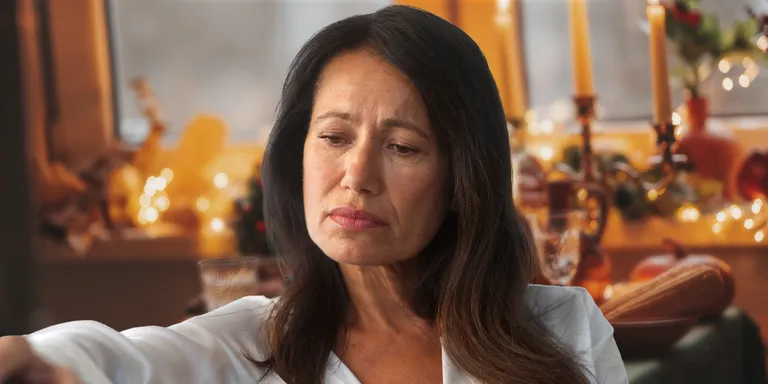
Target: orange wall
476,18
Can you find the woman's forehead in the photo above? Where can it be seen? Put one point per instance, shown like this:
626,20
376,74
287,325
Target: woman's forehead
359,83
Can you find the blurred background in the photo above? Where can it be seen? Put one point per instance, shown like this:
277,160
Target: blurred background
132,132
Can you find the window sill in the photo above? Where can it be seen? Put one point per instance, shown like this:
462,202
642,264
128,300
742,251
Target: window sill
134,246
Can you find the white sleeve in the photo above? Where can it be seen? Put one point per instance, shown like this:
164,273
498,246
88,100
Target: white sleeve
205,349
608,364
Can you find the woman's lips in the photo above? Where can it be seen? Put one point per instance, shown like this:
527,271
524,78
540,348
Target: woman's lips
352,218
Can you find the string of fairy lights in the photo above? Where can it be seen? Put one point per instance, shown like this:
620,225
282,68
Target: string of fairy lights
154,200
752,217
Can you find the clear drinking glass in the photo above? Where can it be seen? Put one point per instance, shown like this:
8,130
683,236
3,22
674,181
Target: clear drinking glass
228,279
558,239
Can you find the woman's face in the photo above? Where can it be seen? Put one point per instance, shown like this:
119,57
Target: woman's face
375,188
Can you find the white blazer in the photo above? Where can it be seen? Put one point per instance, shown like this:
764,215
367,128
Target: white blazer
209,348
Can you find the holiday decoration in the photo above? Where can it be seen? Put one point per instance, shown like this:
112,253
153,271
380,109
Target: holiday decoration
713,155
753,176
529,182
699,40
753,185
701,44
628,195
249,225
83,217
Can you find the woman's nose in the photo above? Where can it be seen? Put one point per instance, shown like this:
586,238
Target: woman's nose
362,173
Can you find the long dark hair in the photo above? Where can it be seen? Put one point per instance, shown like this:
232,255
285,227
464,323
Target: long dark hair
474,273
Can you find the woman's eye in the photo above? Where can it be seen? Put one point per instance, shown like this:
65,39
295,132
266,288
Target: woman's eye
332,139
403,150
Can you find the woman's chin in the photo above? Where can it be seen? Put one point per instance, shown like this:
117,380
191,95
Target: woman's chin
363,256
359,259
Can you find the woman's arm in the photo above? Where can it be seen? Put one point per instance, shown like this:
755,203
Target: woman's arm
206,349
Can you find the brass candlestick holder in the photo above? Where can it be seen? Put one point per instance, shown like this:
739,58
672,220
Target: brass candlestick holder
596,186
594,270
672,163
591,187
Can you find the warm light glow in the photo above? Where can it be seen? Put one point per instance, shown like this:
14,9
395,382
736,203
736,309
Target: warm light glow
149,186
727,84
167,174
653,194
704,72
202,204
154,184
762,43
162,203
717,227
653,2
744,81
220,180
533,129
752,72
736,212
721,216
747,62
582,194
749,223
678,130
724,66
145,200
547,127
608,292
688,213
217,225
546,153
676,119
502,5
148,215
759,236
757,205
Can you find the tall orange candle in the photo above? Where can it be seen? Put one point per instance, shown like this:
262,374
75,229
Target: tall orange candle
662,107
581,55
508,25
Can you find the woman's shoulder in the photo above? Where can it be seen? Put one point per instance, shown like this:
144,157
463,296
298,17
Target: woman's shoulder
559,307
570,315
543,298
241,325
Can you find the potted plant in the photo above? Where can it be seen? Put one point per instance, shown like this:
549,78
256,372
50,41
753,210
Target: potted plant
700,44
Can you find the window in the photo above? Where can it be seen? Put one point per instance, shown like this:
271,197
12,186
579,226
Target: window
620,59
226,57
229,58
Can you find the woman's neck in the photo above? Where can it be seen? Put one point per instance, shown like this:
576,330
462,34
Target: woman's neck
381,297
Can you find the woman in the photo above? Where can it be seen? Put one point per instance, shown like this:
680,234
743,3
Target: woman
387,187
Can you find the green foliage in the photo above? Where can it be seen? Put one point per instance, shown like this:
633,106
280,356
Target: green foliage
699,39
626,196
249,226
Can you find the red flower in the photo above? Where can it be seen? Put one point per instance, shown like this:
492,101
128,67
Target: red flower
260,226
687,16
